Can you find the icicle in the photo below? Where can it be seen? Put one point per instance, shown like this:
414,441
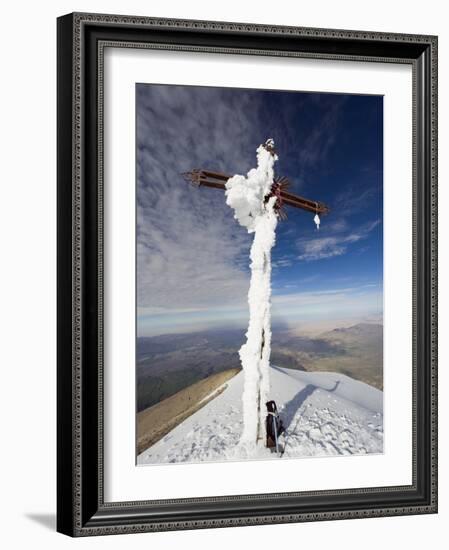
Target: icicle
316,219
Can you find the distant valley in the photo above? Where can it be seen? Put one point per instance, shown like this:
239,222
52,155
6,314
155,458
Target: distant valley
169,363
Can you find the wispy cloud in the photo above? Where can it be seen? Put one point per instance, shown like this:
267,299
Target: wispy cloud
356,198
332,303
311,153
323,136
283,262
320,248
189,249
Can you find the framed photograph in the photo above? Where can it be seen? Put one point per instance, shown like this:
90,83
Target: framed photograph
247,277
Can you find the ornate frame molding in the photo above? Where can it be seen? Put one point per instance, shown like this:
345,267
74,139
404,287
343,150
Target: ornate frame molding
81,41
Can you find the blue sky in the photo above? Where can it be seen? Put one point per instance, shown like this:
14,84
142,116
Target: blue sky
192,256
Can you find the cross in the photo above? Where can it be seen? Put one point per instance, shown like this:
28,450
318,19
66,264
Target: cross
217,180
258,201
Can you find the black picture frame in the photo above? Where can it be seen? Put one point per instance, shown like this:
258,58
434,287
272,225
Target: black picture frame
81,509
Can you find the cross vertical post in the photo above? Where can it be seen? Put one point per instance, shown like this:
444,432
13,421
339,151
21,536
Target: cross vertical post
257,200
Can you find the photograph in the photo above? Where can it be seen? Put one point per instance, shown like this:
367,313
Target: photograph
259,274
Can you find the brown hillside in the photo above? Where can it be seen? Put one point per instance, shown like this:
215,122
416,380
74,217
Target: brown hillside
155,422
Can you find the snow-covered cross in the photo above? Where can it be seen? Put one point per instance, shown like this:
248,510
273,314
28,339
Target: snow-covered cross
257,201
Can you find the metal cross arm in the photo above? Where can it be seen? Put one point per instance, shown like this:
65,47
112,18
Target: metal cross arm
217,180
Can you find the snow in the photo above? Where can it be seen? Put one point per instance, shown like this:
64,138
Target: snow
245,195
325,414
247,198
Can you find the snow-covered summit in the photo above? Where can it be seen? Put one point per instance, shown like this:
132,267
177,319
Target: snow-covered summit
324,414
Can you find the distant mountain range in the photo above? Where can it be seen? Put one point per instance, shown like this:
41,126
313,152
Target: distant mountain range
360,353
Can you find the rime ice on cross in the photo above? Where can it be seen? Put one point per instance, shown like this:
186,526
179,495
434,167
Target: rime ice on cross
247,196
257,201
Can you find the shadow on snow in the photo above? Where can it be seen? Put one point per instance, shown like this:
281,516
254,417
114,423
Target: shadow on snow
290,409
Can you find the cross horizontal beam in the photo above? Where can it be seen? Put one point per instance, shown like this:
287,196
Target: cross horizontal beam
217,180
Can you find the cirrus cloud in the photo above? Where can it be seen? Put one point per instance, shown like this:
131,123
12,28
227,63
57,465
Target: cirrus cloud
320,248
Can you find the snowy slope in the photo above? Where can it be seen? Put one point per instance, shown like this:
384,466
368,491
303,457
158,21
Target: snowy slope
324,414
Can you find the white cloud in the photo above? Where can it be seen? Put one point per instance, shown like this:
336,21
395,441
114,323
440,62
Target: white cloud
292,308
320,248
190,250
